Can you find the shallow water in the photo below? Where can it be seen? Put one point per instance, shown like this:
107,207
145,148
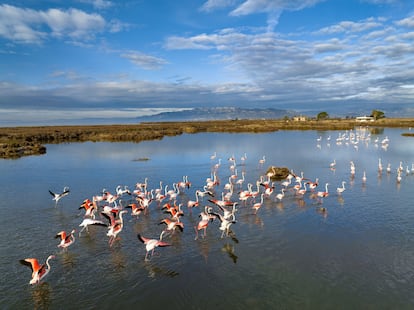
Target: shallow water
358,254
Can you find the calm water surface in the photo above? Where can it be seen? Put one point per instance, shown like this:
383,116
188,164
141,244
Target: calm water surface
359,254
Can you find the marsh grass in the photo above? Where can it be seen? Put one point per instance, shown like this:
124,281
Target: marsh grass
16,142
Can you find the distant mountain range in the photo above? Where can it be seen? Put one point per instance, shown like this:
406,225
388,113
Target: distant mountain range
217,113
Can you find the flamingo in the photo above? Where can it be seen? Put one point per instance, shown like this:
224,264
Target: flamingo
193,203
175,211
173,193
243,158
111,198
218,164
302,191
227,213
399,178
58,196
172,225
151,244
136,210
240,181
258,205
184,183
340,190
262,161
206,218
253,193
281,195
225,223
38,271
287,182
90,208
268,188
115,227
98,198
322,194
145,201
120,191
65,240
221,203
364,177
87,222
205,192
332,165
379,165
313,185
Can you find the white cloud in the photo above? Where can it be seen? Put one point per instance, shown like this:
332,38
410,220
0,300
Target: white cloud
98,4
73,23
211,5
30,26
144,61
266,6
351,27
406,22
343,67
274,8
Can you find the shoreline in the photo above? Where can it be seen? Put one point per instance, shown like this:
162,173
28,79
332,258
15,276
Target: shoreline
16,142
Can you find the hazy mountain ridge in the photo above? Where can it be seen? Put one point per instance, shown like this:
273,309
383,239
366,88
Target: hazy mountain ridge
218,113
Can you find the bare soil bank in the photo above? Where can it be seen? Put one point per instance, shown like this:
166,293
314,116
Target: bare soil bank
16,142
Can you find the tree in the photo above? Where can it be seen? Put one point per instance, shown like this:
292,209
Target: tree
322,116
376,114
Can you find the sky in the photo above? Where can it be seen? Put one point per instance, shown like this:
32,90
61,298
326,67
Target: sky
75,60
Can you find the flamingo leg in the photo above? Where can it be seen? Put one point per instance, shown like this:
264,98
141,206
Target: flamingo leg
196,237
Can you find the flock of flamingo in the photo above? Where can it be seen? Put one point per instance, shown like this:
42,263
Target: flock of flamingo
215,202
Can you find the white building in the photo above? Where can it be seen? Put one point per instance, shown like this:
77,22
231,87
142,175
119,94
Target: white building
364,119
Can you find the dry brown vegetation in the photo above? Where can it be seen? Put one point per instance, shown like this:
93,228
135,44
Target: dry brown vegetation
22,141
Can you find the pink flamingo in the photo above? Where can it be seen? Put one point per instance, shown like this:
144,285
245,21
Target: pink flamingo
151,244
258,205
38,271
115,227
172,225
206,218
65,240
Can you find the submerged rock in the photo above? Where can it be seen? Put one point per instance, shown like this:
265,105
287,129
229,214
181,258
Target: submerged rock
277,173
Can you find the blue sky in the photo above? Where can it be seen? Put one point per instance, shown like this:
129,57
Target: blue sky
62,60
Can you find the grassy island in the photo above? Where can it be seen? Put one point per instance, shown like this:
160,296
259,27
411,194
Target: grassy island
16,142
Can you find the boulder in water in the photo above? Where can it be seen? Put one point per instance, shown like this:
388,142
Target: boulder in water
277,173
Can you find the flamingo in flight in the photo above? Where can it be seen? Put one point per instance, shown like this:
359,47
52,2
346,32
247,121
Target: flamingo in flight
151,244
38,271
65,239
58,196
